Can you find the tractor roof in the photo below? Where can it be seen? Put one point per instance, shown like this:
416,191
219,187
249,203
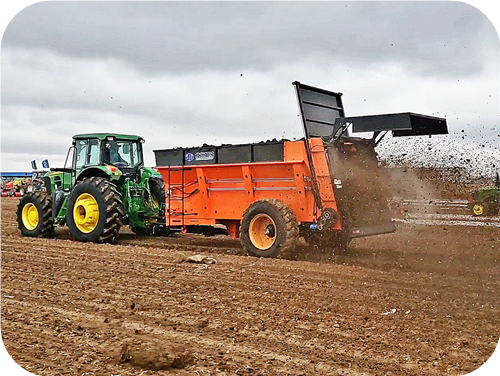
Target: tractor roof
102,136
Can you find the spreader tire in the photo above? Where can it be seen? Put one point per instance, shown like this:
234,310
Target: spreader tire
34,215
95,211
269,229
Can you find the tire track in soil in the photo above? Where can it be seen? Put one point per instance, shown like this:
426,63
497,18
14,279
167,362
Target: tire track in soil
137,324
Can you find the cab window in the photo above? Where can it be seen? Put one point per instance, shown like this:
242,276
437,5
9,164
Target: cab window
123,153
87,153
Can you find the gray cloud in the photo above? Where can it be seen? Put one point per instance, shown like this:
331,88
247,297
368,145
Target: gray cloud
184,74
432,38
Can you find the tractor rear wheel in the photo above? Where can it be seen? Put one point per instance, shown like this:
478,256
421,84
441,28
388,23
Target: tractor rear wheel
34,215
157,189
95,210
152,202
269,229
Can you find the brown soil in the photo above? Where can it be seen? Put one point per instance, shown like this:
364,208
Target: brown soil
421,301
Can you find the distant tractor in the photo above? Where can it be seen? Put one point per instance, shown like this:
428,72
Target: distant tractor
14,188
486,201
107,186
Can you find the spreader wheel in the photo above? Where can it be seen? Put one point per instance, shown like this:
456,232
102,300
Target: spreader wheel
269,229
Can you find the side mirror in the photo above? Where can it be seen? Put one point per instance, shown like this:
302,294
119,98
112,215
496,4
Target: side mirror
33,165
45,163
126,148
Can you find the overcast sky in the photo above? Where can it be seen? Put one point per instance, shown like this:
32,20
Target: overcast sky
188,73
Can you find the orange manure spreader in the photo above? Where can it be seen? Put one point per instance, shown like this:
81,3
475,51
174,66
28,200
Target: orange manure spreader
326,187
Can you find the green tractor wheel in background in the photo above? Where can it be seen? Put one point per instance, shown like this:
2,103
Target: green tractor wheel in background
479,209
95,210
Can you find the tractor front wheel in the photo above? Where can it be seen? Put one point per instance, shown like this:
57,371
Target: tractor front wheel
34,215
95,211
269,229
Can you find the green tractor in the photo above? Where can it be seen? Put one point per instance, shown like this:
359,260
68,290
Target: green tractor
486,201
107,186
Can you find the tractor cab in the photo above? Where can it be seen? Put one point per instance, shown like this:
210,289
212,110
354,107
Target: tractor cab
114,153
110,156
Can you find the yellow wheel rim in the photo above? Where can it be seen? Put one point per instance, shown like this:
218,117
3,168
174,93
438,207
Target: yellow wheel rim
30,216
262,231
86,213
478,209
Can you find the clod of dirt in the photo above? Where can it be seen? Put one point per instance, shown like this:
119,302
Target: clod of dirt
156,355
200,259
203,323
389,312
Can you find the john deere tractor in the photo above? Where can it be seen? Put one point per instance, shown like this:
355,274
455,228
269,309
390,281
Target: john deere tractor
486,201
107,186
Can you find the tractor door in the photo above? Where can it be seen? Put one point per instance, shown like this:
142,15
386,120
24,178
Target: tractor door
87,153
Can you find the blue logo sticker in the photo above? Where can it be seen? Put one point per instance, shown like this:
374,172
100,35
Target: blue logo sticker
189,157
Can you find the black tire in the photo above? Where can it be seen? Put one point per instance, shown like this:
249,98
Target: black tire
157,189
328,240
107,204
38,206
280,234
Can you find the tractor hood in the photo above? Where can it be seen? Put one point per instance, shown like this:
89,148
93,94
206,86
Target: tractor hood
322,114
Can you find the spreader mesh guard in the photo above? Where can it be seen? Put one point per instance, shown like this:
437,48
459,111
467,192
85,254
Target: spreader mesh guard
322,115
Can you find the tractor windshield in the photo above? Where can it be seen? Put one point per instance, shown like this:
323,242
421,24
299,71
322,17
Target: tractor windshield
123,153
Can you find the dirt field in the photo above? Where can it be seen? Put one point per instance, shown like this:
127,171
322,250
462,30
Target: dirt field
421,301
